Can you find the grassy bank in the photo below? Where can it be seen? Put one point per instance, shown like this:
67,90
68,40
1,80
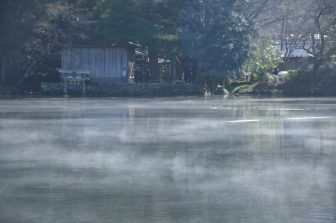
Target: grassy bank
291,84
116,89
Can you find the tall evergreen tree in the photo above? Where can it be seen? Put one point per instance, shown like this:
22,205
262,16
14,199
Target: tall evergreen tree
17,19
143,22
215,34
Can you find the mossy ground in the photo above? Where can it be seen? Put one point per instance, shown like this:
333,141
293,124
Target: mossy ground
293,83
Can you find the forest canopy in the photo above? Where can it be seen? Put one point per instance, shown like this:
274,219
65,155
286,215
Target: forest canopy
216,34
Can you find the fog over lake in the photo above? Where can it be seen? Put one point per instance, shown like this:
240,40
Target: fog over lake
167,160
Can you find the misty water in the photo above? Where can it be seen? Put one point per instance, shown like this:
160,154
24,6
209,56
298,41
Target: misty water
184,160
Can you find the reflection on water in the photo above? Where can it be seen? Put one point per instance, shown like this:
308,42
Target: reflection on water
168,160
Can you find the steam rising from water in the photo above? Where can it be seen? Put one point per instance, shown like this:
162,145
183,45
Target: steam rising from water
181,160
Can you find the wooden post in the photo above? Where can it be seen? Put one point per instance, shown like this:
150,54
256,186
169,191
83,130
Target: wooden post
65,87
171,75
174,72
3,75
84,87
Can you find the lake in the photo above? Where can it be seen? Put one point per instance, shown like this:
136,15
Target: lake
165,160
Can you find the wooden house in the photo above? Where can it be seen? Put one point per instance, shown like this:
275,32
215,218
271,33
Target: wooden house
101,63
294,57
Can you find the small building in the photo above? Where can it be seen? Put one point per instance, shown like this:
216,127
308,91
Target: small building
294,57
102,63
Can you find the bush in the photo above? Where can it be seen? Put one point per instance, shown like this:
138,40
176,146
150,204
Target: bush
263,58
307,83
290,76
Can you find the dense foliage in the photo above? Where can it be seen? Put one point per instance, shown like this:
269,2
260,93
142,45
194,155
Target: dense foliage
32,33
219,36
264,57
214,34
310,23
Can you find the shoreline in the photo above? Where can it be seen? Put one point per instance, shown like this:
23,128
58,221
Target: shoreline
161,90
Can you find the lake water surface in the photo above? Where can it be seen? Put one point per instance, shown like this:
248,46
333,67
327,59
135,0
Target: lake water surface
184,160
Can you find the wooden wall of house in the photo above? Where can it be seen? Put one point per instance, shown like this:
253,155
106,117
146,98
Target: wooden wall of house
294,63
102,62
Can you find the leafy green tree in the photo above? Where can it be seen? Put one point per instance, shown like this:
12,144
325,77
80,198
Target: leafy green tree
263,57
213,33
216,34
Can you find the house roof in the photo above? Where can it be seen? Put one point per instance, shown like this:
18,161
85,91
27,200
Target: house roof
296,51
129,45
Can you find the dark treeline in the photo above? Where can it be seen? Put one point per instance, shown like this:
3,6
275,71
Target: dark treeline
225,38
215,34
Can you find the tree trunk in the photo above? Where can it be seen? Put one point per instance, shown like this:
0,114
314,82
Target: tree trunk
27,73
153,62
3,77
316,68
317,65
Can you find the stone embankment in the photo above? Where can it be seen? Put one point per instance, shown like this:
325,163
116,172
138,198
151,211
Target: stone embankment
9,92
117,89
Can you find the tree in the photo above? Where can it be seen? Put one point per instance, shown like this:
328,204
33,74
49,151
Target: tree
33,32
17,19
309,23
144,22
216,34
213,33
61,23
319,39
291,19
264,57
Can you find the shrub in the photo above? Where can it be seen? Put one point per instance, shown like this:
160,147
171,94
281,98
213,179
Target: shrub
263,58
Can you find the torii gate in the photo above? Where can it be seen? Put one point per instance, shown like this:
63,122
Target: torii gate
74,76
